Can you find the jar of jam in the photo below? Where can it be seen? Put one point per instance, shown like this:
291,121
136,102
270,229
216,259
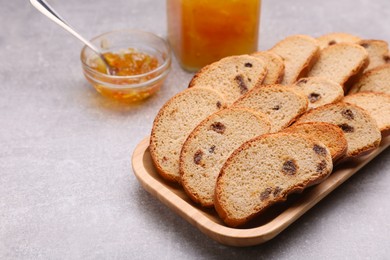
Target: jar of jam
203,31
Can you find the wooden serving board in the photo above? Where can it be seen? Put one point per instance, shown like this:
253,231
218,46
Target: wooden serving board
266,226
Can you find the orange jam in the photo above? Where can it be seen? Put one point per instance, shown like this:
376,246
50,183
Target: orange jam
204,31
128,63
125,63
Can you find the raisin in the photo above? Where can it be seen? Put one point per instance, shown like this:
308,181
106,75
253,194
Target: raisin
321,166
386,58
346,128
348,114
314,97
277,107
218,127
241,84
277,191
319,150
365,45
198,157
289,167
265,194
219,105
212,149
248,65
332,42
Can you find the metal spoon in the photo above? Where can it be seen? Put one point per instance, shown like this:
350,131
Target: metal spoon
47,10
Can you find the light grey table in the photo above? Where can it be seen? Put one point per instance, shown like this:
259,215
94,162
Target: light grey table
67,190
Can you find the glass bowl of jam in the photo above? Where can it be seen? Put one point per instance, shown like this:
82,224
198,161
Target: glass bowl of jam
141,62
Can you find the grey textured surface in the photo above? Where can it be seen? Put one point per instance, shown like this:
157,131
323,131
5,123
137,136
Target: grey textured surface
67,190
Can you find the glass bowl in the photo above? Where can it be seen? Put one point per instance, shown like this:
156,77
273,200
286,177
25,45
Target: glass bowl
128,88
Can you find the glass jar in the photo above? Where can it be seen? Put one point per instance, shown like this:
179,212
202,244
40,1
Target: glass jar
203,31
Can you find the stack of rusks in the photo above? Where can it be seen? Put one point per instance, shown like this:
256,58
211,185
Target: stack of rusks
252,129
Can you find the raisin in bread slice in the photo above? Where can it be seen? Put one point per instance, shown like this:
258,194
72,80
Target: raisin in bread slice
320,91
377,51
232,76
274,64
340,63
375,80
210,144
360,129
282,104
299,53
376,104
174,122
265,170
336,37
328,134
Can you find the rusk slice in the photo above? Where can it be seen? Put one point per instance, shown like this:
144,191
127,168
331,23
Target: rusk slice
377,52
232,76
264,171
298,53
339,62
211,143
174,122
274,64
360,129
336,37
320,91
375,80
376,104
328,134
282,104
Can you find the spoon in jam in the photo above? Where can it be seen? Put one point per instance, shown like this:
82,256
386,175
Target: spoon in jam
48,11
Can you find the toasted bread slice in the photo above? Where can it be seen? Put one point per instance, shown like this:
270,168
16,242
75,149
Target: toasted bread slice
265,170
274,64
282,104
360,129
299,53
340,62
328,134
377,51
232,76
320,91
174,122
375,80
210,144
329,39
376,104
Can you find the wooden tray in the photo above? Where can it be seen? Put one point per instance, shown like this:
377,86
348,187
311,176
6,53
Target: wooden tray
265,227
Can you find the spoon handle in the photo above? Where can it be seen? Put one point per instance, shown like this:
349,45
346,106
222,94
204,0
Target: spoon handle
48,11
